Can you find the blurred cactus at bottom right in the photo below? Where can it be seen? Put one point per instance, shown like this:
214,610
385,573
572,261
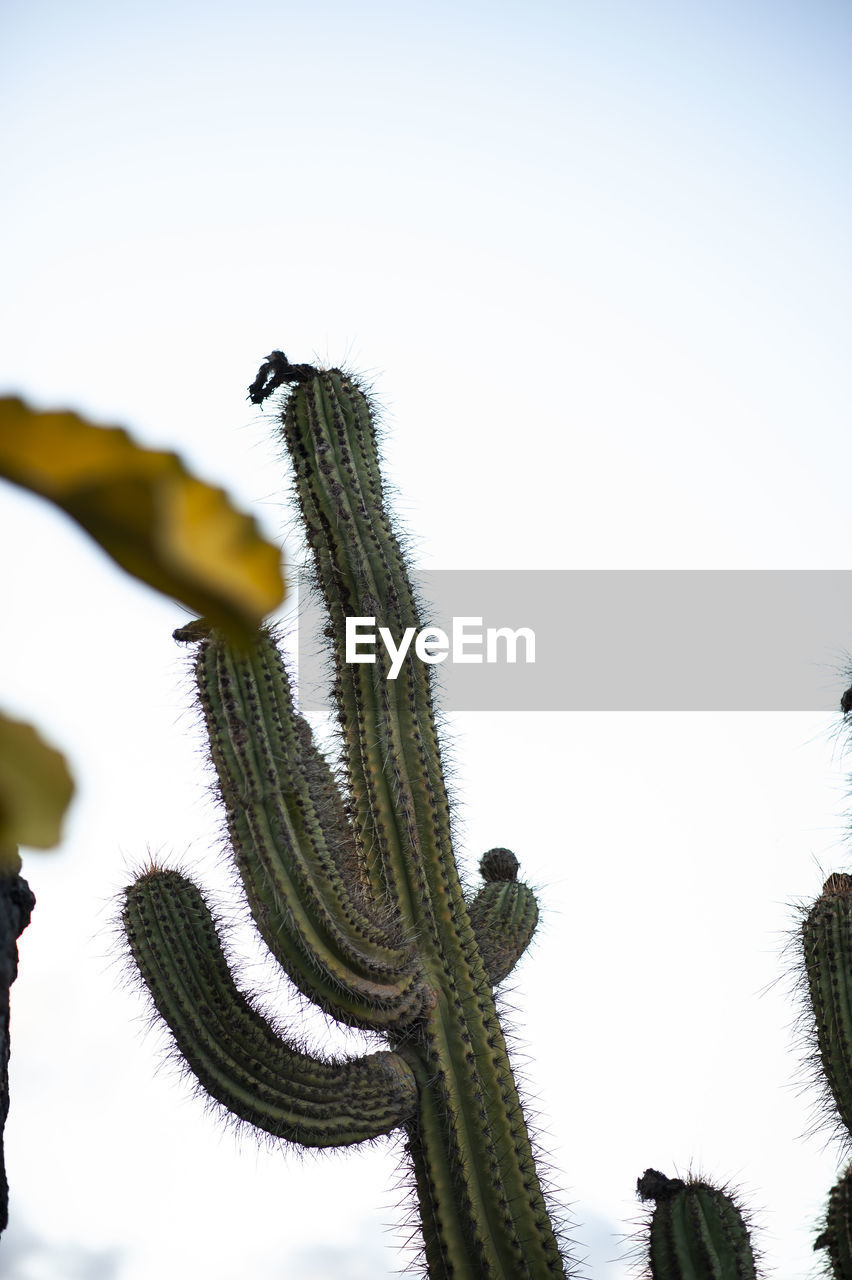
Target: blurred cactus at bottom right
697,1232
827,953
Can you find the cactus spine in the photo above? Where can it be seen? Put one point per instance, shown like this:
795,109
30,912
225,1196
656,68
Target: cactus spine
356,893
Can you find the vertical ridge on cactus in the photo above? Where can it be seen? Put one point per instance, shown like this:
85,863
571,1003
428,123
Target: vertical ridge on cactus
356,894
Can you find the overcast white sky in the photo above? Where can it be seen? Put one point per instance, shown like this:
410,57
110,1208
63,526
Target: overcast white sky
596,260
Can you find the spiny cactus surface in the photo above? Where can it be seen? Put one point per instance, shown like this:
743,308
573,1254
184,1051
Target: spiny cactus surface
827,951
697,1232
354,888
836,1236
504,914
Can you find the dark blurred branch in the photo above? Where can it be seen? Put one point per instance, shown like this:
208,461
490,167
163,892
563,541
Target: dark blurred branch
16,904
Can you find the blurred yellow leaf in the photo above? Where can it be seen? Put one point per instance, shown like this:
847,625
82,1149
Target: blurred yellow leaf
35,789
145,509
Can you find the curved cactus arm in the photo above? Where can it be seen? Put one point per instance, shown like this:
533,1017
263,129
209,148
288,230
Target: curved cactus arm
504,914
836,1235
697,1232
232,1050
292,844
328,803
827,952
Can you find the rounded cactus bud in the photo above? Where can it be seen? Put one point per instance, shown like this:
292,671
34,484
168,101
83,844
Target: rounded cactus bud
697,1232
498,864
504,915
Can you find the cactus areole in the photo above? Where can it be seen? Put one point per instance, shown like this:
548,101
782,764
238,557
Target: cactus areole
354,888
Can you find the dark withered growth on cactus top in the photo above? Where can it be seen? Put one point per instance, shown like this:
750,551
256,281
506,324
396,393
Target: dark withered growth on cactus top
355,891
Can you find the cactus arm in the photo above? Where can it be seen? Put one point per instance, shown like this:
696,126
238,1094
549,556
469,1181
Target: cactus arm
279,762
504,914
232,1050
697,1232
481,1203
827,951
836,1235
504,917
312,919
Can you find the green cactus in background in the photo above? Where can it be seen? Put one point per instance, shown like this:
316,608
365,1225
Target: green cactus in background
827,950
355,890
836,1236
827,953
696,1231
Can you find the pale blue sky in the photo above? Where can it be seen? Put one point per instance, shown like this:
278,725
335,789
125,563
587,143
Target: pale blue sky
596,259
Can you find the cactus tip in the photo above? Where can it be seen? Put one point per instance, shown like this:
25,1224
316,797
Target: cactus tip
654,1185
837,883
274,372
193,631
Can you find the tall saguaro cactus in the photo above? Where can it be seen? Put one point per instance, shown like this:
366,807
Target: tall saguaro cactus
355,890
